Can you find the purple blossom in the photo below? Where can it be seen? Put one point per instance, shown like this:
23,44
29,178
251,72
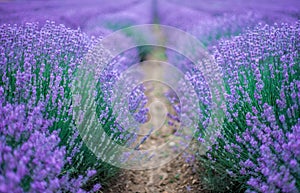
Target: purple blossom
40,142
30,152
264,123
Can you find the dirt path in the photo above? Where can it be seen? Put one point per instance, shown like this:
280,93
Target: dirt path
175,176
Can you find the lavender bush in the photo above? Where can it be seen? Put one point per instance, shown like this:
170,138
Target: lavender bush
37,67
258,147
31,158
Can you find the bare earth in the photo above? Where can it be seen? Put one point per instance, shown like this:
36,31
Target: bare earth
174,177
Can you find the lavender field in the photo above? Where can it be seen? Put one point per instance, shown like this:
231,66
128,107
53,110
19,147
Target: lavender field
135,96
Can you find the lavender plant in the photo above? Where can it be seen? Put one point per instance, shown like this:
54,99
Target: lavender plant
37,68
31,158
258,147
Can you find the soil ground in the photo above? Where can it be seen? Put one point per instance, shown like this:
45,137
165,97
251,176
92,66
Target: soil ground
176,176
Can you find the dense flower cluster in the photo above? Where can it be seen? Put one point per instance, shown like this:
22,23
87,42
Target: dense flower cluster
31,158
36,70
259,142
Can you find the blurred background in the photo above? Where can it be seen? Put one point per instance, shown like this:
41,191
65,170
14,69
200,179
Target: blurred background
98,17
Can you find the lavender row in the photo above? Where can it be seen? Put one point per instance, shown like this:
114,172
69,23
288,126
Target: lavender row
257,149
92,17
41,149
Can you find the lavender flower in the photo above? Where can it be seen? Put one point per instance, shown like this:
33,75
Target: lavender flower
37,67
31,158
257,144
